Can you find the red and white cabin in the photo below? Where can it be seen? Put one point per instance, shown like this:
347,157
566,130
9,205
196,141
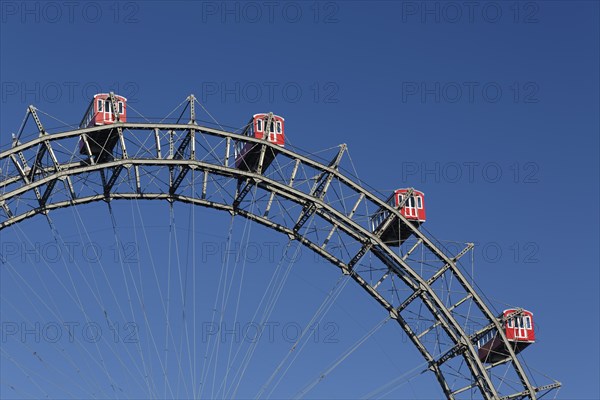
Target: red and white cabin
99,113
413,210
269,127
519,328
519,331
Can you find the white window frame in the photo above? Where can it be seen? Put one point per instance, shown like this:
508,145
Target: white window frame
399,199
100,105
259,125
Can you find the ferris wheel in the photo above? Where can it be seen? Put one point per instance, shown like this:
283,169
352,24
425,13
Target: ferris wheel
256,178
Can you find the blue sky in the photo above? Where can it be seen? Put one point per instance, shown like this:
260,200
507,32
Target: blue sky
490,108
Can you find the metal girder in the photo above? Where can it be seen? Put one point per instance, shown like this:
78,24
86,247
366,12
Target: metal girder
157,142
122,142
171,143
269,204
294,172
38,123
261,159
204,184
192,135
192,99
227,151
138,186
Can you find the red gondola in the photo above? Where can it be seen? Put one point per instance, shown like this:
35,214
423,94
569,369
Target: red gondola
519,331
260,126
100,112
413,210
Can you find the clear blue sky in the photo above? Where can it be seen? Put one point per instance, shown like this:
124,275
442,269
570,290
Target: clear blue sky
490,108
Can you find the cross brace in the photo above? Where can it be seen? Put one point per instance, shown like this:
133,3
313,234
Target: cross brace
319,189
